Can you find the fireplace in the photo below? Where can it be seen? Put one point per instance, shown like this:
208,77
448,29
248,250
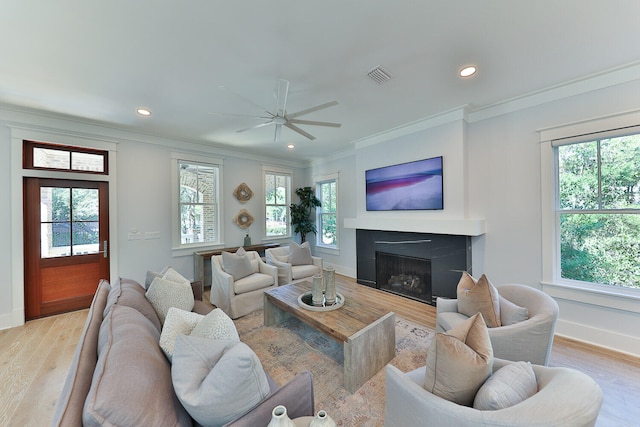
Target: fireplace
405,275
433,260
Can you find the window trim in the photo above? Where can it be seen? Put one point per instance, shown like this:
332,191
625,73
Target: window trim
275,170
583,131
324,179
178,248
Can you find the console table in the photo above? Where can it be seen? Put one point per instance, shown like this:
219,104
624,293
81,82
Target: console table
202,260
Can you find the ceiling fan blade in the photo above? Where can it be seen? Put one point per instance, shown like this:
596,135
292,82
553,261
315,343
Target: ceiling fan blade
283,92
300,131
250,116
312,109
276,135
243,98
270,122
314,123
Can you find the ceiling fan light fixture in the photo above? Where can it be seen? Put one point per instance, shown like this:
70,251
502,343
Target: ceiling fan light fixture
467,71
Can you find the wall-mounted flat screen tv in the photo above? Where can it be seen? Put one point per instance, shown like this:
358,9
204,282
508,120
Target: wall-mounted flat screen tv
407,186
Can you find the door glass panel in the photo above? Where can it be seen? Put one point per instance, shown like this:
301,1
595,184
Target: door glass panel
85,204
55,204
85,237
55,239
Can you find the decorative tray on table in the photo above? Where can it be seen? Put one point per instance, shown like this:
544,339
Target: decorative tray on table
306,301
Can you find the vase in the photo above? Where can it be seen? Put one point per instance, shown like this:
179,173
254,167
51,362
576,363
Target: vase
247,240
317,292
279,418
329,286
322,419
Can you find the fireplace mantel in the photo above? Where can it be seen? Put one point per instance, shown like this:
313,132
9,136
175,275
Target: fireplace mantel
458,227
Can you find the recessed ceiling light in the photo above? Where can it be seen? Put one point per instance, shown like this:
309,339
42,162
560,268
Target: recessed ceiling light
467,71
291,146
143,112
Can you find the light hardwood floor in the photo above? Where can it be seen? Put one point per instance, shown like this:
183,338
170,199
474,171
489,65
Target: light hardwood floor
35,358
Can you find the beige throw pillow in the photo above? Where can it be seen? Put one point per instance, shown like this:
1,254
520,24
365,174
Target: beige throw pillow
479,297
300,254
508,386
460,361
216,325
237,265
178,322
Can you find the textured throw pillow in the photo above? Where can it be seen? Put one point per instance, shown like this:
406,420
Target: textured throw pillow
152,275
237,265
460,361
511,313
216,325
479,297
178,322
300,254
508,386
173,276
164,294
217,380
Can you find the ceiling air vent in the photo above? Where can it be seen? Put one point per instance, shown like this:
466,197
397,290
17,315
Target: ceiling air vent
379,75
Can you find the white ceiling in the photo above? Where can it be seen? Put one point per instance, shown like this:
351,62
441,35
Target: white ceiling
184,60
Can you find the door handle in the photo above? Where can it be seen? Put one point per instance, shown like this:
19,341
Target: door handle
105,251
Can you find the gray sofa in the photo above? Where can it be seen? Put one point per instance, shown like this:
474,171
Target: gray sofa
137,388
565,397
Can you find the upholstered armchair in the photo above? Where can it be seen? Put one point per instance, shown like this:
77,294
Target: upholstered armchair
529,339
238,282
565,397
290,269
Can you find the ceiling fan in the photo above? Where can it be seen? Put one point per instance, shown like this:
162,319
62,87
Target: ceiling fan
280,117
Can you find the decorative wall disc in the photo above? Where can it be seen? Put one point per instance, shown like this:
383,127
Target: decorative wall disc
243,219
243,193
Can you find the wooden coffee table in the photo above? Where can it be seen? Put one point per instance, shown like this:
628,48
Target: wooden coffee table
365,327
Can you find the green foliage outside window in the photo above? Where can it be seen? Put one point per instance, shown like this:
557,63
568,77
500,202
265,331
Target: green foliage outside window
599,211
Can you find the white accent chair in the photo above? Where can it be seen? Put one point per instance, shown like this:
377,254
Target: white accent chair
529,340
288,273
565,397
243,296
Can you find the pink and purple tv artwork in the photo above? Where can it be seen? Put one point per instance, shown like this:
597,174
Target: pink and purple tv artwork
407,186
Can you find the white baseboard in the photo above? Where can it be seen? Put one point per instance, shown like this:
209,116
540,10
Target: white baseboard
599,337
11,320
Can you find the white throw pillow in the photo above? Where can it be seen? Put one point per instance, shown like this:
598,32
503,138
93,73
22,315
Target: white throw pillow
508,386
164,294
217,380
173,276
300,254
460,361
237,265
511,313
178,322
216,325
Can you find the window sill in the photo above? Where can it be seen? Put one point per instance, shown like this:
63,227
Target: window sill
620,299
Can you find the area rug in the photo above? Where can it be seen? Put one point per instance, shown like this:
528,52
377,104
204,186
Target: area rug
290,348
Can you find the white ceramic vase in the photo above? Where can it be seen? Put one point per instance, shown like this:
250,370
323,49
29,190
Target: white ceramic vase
322,419
279,418
329,286
317,292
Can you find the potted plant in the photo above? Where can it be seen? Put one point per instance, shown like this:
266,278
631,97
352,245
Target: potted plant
301,218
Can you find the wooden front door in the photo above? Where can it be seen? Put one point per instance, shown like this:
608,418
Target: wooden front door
66,229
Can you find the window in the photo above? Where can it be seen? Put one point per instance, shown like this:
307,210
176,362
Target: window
598,210
47,156
327,214
198,202
277,197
